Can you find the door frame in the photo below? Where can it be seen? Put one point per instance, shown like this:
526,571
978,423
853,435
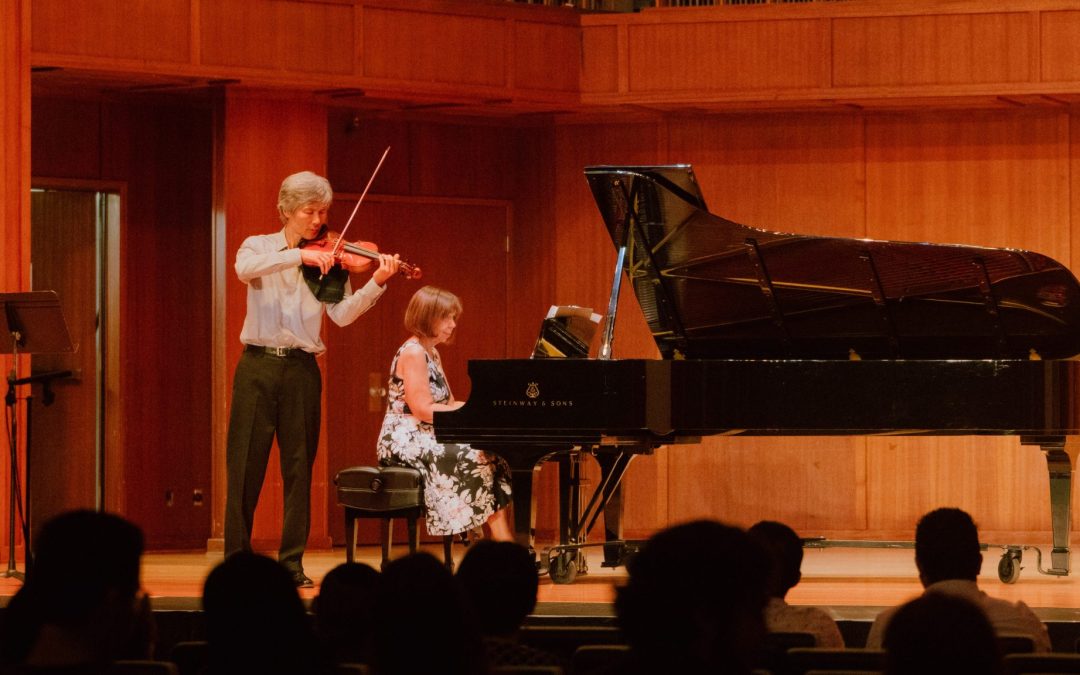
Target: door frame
111,461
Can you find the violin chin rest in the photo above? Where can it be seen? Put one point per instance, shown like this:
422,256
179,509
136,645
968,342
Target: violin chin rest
329,287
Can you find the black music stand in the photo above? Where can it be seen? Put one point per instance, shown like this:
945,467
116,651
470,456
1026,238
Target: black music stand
33,323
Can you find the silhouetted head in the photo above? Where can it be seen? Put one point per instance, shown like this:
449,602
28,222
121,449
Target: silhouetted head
424,623
694,600
940,633
784,548
345,612
83,589
81,557
500,579
947,546
255,620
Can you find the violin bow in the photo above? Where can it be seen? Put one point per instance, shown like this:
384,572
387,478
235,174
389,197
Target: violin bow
341,237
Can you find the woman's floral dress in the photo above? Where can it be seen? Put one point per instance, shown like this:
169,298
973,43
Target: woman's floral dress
462,486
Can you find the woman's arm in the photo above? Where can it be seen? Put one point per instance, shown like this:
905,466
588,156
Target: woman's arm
412,369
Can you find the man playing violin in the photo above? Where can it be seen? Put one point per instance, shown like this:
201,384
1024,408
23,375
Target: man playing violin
277,385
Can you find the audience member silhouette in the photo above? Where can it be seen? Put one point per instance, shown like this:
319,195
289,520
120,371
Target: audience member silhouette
344,613
82,606
694,601
948,558
941,633
425,625
255,620
499,579
785,550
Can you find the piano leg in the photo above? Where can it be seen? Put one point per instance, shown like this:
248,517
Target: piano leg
569,495
574,523
569,523
1060,454
607,499
613,513
567,559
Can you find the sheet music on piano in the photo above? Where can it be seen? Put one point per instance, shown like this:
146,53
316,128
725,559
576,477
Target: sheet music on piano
566,332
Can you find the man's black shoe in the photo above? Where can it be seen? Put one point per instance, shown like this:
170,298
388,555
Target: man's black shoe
302,581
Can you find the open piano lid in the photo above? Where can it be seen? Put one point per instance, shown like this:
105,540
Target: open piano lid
711,288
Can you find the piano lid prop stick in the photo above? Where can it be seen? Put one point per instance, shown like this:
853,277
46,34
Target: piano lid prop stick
613,303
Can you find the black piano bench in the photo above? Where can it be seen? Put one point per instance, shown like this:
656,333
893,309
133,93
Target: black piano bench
384,492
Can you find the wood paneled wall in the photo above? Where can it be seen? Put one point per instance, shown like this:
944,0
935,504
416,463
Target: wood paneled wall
14,177
411,50
986,178
266,138
161,154
861,54
870,53
165,366
470,160
15,143
989,178
832,165
462,165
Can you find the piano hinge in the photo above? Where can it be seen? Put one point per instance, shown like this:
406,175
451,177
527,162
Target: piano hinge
766,286
986,289
877,290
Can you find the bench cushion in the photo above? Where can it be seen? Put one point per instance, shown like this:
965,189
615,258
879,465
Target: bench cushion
379,488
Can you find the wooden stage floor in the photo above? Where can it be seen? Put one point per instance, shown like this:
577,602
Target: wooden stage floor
853,584
848,580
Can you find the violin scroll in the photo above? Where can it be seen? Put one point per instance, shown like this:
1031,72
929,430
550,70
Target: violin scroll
409,271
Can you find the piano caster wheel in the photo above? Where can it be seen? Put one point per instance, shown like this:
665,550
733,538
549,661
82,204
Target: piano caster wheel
1009,566
564,568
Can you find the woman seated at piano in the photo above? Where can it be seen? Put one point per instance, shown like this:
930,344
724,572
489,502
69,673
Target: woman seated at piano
464,488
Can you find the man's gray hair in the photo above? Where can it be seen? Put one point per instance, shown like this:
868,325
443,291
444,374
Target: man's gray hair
301,189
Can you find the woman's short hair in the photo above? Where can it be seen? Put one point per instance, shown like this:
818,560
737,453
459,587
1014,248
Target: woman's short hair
300,189
428,305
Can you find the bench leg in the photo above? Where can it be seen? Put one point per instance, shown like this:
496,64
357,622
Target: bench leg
350,536
414,534
387,539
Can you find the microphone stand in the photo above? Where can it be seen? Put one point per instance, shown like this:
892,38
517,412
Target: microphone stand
34,321
47,398
13,443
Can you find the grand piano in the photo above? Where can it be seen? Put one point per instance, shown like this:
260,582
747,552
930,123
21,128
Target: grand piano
759,337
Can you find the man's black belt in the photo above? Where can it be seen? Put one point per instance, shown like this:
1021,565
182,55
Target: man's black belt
283,352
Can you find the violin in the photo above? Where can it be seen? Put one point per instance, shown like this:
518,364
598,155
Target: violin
330,287
355,257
